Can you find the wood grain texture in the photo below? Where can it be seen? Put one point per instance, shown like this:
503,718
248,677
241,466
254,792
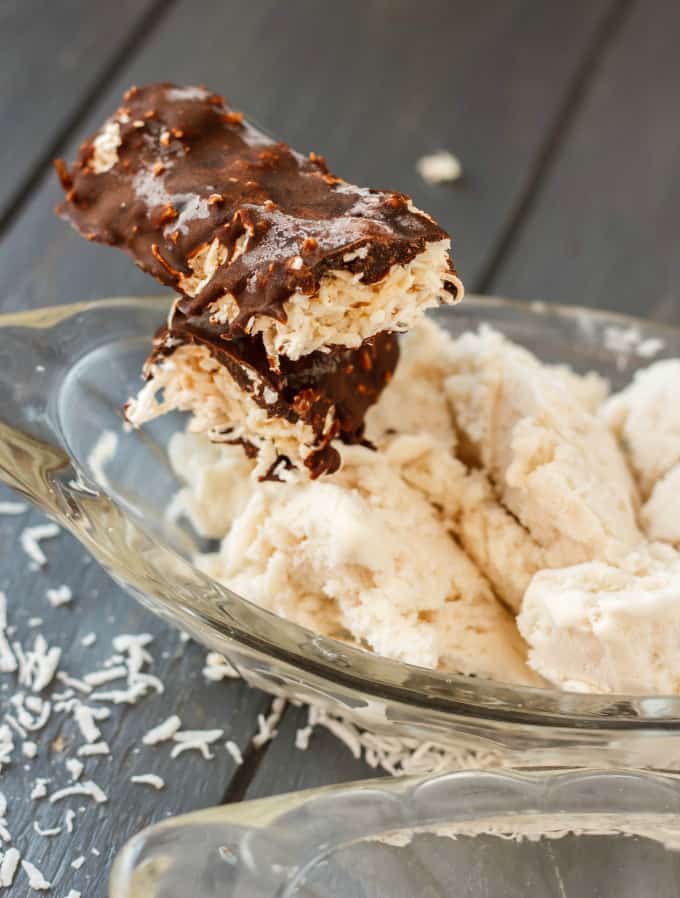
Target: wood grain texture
603,231
192,782
53,56
483,80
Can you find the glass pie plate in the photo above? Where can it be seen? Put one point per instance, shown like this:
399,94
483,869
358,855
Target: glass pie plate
64,375
458,835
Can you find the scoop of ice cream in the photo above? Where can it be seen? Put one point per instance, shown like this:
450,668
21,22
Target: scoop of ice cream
408,548
595,627
209,470
661,512
551,460
646,419
414,426
501,548
364,557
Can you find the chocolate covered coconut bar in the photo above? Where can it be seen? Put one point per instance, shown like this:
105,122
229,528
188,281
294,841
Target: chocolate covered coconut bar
275,259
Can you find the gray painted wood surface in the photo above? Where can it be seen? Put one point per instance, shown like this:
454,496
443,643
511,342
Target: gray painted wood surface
485,80
603,229
55,57
563,118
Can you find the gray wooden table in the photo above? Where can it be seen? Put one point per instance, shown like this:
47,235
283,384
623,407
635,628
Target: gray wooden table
564,116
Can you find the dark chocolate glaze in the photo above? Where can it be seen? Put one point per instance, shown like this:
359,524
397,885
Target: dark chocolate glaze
343,381
190,170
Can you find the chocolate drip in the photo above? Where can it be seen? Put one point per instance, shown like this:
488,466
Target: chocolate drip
189,170
328,391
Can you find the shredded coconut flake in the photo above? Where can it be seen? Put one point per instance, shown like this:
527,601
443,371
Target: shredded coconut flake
8,868
88,639
628,342
69,817
54,831
31,538
4,831
88,788
39,789
148,779
127,696
267,725
439,168
73,682
195,740
218,668
302,737
78,862
75,768
8,662
12,508
94,748
37,666
60,596
235,752
99,677
36,880
84,717
163,732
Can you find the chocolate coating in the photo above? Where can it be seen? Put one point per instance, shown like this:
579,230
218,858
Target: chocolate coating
190,170
345,382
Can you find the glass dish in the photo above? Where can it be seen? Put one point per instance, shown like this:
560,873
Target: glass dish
64,375
460,835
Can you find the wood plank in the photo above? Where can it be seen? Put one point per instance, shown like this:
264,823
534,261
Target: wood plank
603,231
483,80
53,56
192,782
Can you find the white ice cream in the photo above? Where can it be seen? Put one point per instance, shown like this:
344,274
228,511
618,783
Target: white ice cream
646,419
415,402
363,557
552,461
496,481
599,628
661,512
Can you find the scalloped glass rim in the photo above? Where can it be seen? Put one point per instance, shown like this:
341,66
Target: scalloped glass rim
272,843
37,351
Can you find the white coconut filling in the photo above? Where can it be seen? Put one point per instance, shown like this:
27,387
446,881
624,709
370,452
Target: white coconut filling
105,148
345,311
191,380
